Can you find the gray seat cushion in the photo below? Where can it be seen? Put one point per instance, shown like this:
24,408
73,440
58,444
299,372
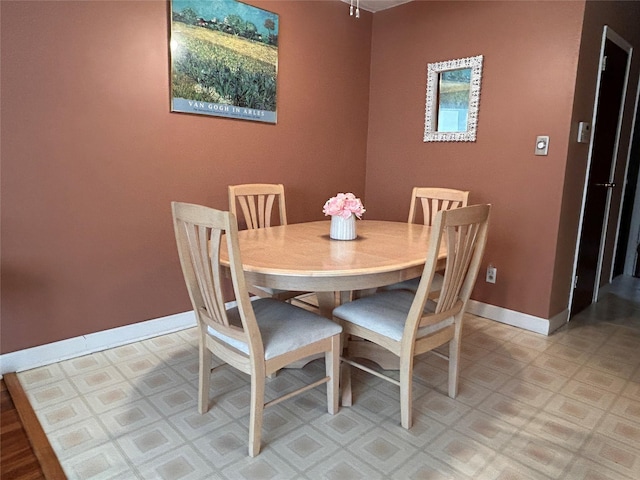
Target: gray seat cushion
386,313
284,327
412,284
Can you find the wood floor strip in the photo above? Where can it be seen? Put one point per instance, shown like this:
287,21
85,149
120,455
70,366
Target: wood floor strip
39,441
17,459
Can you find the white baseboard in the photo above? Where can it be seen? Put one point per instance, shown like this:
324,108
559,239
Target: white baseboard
94,342
518,319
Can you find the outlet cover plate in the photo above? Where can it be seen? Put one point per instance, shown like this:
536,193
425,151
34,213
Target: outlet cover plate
491,274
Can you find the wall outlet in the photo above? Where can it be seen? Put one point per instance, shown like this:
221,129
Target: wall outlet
492,272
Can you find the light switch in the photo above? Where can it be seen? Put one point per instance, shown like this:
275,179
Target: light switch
542,145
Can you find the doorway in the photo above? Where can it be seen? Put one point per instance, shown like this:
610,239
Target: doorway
627,260
610,97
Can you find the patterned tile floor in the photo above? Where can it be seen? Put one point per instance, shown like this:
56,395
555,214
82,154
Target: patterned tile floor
530,407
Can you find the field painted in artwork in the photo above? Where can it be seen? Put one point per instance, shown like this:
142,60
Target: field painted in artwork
212,66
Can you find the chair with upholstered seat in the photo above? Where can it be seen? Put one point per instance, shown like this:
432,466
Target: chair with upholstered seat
409,324
256,201
256,337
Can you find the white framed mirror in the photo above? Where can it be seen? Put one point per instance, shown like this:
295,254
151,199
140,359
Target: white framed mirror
453,99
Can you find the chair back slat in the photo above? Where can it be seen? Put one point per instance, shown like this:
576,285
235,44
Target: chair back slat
210,279
267,208
249,211
434,199
257,201
460,244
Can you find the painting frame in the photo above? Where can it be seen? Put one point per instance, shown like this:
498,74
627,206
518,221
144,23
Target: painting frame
223,59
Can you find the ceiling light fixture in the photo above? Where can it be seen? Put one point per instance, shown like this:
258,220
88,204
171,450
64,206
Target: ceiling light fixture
357,8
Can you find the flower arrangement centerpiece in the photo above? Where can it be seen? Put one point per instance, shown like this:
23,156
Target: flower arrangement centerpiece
343,208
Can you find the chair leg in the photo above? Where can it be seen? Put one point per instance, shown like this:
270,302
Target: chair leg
454,365
332,364
406,390
345,384
204,377
256,413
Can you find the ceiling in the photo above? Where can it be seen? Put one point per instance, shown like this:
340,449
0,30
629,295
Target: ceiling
377,5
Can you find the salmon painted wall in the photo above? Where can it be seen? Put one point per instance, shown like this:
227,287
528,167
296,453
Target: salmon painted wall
92,157
529,73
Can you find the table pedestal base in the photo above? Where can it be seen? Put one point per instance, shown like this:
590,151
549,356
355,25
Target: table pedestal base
359,348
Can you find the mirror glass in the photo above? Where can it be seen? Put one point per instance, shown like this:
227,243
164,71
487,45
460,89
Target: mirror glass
453,95
453,100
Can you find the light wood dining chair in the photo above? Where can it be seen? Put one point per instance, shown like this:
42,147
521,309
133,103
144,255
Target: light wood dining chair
426,202
256,337
409,324
434,199
256,202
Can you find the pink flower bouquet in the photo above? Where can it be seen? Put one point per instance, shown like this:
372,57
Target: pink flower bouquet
344,205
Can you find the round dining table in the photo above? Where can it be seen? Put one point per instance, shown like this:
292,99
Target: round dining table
302,257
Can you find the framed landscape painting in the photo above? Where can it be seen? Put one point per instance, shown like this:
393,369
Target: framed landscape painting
224,59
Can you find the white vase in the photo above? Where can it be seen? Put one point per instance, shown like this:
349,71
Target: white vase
343,228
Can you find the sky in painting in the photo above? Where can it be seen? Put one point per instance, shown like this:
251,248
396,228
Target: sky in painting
219,9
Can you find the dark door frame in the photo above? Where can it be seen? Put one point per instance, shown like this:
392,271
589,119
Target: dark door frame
607,34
